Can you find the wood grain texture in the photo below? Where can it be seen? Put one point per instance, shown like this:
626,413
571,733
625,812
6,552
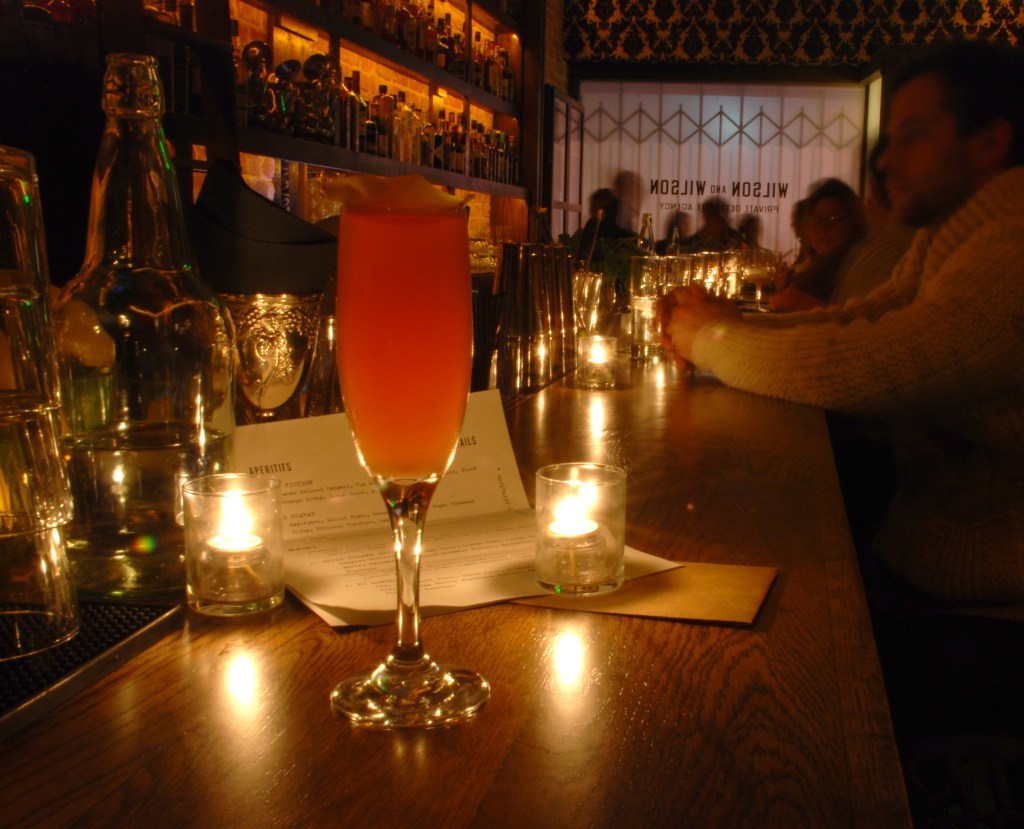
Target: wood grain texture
595,720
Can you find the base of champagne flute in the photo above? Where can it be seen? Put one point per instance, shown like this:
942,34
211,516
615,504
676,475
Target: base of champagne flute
424,698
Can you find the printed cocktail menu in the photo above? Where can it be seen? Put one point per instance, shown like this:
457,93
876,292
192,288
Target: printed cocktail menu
478,546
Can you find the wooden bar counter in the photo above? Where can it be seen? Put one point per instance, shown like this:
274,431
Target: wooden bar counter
595,720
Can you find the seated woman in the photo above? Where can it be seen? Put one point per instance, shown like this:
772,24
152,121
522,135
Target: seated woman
870,261
835,222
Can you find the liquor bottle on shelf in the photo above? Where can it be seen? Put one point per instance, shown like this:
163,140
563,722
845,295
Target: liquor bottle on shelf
369,139
346,126
352,11
513,160
443,52
439,137
382,112
459,61
386,20
447,145
501,153
416,139
478,61
458,133
361,114
478,151
492,69
405,130
428,36
407,26
427,144
145,357
369,16
508,89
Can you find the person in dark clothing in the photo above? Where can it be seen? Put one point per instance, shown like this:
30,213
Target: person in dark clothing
602,224
715,232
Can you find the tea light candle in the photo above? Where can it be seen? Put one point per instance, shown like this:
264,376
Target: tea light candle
234,544
596,350
573,530
234,558
571,522
581,528
595,369
235,532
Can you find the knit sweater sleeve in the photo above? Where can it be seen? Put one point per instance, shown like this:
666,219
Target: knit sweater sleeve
950,322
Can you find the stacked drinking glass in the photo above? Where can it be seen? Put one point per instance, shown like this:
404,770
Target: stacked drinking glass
38,608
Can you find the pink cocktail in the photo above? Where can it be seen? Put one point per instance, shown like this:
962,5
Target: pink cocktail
405,333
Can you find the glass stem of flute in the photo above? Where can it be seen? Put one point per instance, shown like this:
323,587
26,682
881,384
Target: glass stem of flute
407,509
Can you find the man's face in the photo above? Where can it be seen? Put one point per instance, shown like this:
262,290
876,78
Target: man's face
930,170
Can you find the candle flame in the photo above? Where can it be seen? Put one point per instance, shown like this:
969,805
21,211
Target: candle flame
236,527
235,519
571,513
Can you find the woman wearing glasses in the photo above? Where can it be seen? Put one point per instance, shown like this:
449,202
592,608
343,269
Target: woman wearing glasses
834,223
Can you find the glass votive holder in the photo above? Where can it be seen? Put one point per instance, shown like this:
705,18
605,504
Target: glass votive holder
234,544
646,285
595,364
581,528
38,606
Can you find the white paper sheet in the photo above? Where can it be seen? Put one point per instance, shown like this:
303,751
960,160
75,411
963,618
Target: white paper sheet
326,490
480,533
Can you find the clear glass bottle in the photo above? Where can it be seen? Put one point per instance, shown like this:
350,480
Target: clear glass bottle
646,241
675,244
145,357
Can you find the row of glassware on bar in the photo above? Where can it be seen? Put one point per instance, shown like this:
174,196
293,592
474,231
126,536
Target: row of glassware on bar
554,319
536,326
732,274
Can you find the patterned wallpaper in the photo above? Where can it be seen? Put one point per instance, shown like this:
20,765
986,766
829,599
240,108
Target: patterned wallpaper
787,32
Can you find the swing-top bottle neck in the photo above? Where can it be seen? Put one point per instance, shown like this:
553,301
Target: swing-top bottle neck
135,218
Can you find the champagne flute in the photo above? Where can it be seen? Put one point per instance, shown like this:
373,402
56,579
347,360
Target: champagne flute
404,360
759,269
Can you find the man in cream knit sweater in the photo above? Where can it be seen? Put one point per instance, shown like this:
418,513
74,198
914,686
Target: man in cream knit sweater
938,349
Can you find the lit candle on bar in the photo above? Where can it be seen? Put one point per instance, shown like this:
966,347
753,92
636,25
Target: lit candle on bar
234,549
581,523
597,350
571,523
595,369
235,535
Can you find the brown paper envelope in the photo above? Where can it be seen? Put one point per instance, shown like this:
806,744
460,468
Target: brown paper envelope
726,593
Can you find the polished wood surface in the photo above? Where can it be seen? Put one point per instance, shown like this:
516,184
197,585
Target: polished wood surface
594,720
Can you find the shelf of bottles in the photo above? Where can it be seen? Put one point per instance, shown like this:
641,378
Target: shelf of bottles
382,86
